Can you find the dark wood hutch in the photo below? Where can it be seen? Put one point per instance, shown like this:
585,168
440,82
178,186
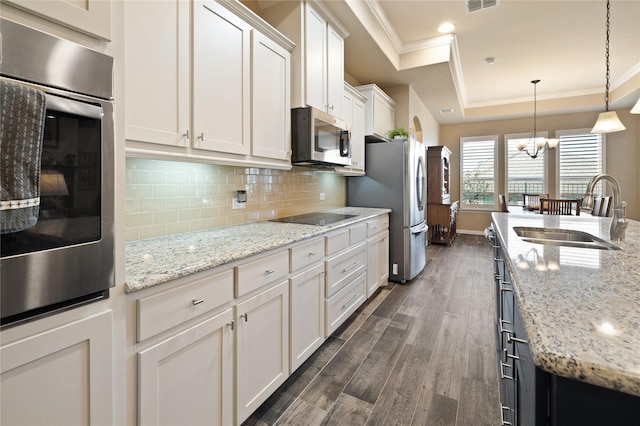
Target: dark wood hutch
441,212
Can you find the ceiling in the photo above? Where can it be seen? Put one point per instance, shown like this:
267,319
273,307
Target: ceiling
561,43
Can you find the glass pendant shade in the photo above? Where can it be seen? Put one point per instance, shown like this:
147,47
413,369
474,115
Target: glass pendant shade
636,108
608,122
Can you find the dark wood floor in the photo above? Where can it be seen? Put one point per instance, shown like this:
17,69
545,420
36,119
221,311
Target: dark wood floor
420,353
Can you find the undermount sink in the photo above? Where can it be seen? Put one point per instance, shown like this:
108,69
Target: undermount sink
563,237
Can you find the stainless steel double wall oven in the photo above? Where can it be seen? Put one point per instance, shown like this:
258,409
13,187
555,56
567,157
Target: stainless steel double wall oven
67,257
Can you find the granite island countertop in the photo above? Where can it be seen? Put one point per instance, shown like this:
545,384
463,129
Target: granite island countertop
158,260
580,306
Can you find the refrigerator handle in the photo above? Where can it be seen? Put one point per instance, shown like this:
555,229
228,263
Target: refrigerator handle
420,183
421,229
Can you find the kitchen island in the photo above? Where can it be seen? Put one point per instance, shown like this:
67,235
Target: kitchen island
578,307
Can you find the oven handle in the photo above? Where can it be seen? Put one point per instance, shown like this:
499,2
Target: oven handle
71,106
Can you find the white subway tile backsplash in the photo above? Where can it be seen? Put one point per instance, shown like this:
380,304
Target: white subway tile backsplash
168,197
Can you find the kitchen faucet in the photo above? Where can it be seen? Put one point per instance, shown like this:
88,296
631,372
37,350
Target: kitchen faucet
619,222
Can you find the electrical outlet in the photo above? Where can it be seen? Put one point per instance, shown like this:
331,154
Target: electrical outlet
322,197
236,205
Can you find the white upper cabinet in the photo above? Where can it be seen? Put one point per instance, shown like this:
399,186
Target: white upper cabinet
271,113
215,88
318,59
157,100
221,91
353,107
92,17
379,111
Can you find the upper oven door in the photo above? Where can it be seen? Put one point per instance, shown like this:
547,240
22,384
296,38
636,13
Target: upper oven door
69,252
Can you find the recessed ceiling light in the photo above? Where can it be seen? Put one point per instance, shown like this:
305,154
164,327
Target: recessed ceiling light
446,27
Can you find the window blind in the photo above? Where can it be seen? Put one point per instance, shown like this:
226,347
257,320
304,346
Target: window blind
478,171
580,158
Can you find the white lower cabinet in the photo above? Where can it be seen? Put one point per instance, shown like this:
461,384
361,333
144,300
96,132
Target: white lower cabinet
345,302
262,347
188,378
307,314
60,376
377,253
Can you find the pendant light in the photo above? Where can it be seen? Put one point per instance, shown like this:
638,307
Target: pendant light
539,143
636,108
608,121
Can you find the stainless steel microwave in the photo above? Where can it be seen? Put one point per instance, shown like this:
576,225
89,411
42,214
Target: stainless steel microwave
319,138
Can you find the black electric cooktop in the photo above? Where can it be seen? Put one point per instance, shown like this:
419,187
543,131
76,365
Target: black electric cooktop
318,219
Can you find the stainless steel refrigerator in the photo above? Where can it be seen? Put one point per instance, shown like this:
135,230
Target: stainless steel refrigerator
396,179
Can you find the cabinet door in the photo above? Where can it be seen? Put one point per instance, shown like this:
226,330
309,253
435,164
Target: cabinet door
315,59
357,136
335,71
271,115
187,379
91,17
380,116
378,262
307,314
66,373
262,348
156,72
221,70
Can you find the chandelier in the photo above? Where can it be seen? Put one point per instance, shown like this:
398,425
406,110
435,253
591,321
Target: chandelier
608,121
539,143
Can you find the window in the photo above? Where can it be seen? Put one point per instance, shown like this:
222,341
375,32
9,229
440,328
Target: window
478,172
525,175
580,157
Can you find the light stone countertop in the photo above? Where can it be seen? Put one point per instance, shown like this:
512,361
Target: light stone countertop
581,314
158,260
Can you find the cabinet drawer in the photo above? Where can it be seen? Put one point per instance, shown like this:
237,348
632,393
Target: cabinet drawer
344,303
306,254
342,268
164,310
357,233
374,226
253,275
337,242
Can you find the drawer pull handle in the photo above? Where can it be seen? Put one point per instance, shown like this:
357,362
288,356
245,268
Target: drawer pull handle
245,316
312,253
503,422
231,324
502,375
353,265
197,301
269,271
515,339
350,302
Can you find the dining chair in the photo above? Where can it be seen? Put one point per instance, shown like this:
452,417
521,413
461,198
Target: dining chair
560,206
597,207
503,203
605,207
532,201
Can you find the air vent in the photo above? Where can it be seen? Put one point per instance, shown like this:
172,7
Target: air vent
446,111
475,5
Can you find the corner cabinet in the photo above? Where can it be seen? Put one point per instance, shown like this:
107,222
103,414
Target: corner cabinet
58,375
240,105
380,111
441,211
353,112
318,59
